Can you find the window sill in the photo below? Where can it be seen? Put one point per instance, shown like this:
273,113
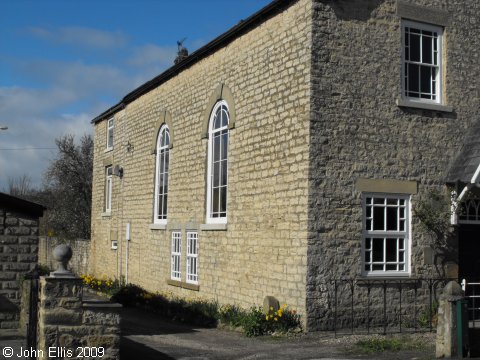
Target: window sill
107,150
213,227
157,226
386,276
106,214
183,285
424,105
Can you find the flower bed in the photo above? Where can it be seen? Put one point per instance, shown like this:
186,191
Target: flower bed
253,321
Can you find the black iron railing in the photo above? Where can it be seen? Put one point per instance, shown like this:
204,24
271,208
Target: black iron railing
383,306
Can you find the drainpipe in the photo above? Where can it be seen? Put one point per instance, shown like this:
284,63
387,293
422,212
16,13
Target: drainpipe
127,240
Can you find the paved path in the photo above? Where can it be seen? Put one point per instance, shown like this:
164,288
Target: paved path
146,337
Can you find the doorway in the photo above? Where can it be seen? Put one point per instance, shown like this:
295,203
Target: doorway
469,253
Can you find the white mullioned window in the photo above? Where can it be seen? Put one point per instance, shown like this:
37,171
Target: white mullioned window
217,177
386,234
192,257
108,188
176,273
110,126
422,61
161,176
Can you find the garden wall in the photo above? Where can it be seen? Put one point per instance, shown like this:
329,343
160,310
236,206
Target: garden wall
80,248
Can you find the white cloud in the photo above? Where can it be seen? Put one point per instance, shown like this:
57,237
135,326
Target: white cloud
78,78
18,103
41,134
81,36
152,54
68,95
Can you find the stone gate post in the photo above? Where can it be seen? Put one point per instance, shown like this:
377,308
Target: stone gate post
448,322
69,327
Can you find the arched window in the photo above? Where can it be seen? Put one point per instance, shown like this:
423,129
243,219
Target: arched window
217,179
161,176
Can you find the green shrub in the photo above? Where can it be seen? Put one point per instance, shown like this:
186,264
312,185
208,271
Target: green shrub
424,317
129,295
199,311
256,323
43,269
193,311
231,315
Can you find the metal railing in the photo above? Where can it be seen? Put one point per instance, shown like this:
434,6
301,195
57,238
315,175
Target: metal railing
362,305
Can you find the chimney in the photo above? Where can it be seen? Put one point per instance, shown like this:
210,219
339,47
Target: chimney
182,52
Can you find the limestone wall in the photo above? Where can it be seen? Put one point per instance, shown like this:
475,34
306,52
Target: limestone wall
263,250
18,255
358,131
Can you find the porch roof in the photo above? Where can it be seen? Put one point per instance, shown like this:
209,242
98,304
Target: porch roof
468,159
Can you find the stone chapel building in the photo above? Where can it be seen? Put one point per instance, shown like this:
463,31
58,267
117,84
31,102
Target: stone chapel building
289,150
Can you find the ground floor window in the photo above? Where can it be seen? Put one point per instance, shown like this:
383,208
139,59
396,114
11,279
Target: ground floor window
386,219
192,257
176,255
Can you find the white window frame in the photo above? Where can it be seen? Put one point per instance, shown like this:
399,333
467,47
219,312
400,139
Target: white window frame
439,56
110,128
379,234
176,256
210,219
162,155
192,257
108,188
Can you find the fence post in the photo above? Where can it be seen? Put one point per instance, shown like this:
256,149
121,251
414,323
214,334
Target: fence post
452,337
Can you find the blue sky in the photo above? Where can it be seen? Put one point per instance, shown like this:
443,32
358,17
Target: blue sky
64,62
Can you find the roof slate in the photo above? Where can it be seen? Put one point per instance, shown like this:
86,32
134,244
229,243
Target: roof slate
468,158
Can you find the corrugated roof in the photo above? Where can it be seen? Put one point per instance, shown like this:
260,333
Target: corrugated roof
241,28
468,158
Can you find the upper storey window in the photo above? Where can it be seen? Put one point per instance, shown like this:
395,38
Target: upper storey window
422,62
110,126
217,178
161,176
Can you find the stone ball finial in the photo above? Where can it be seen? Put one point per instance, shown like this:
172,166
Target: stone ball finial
62,254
